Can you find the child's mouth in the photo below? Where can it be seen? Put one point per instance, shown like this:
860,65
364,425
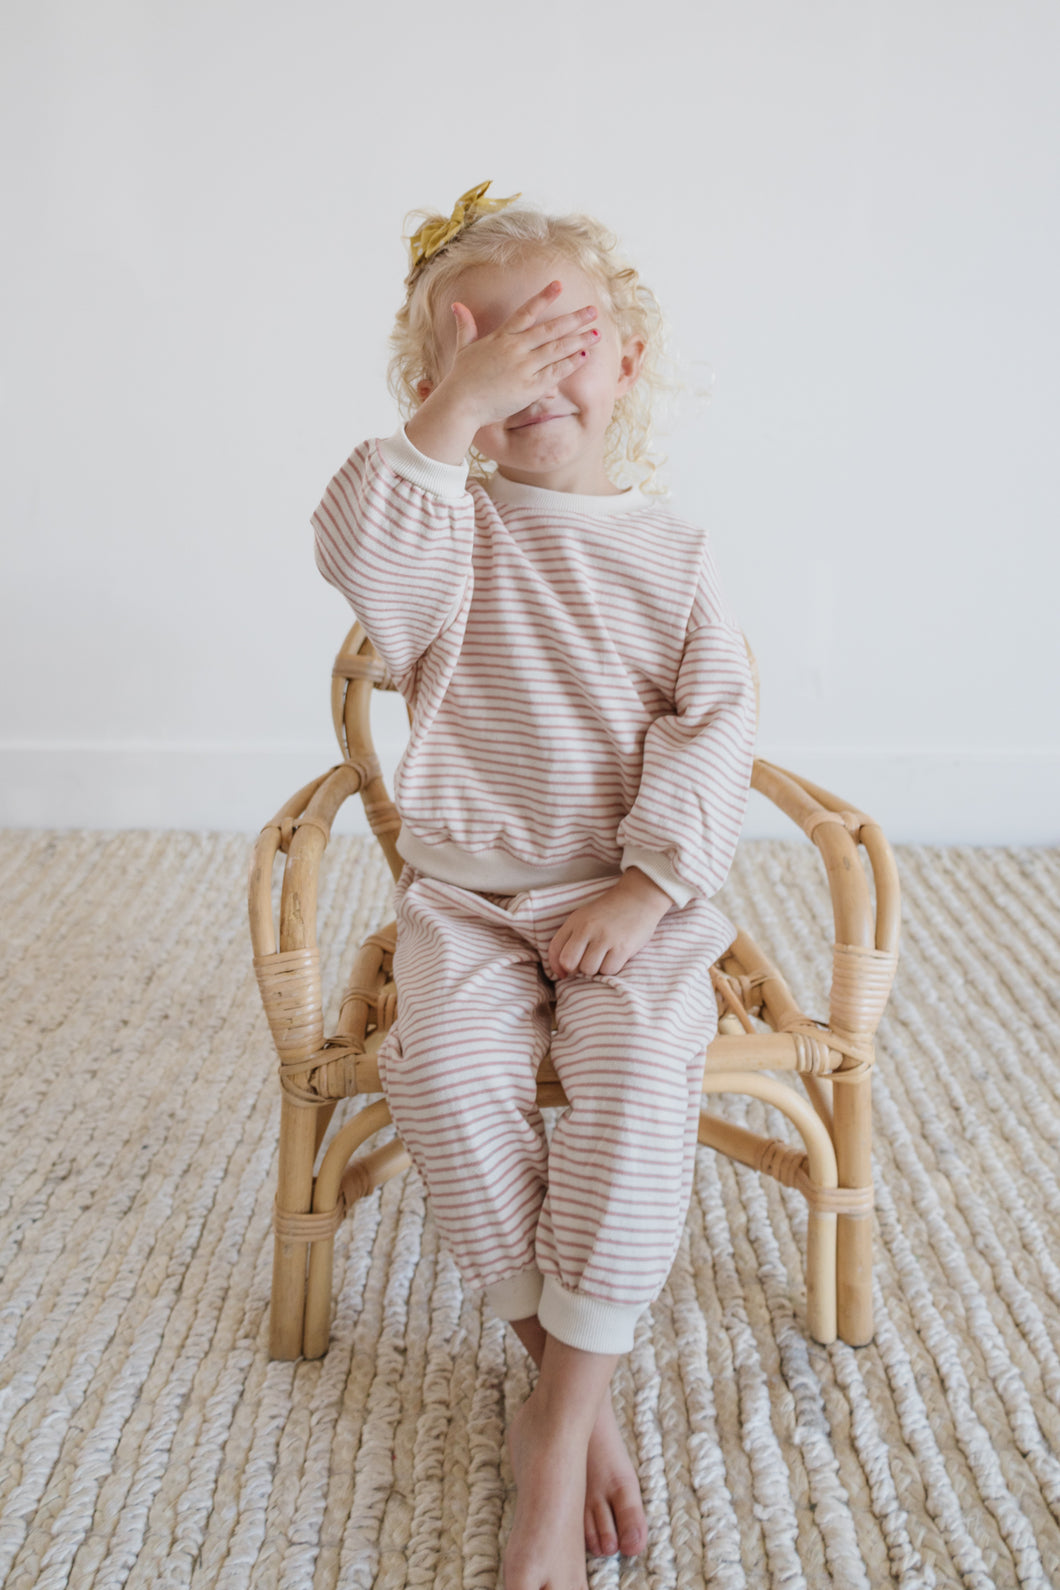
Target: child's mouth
539,419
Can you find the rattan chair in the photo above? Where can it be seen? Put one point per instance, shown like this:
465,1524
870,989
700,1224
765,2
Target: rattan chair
760,1030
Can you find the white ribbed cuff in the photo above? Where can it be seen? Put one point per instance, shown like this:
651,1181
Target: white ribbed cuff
657,867
517,1296
587,1322
430,474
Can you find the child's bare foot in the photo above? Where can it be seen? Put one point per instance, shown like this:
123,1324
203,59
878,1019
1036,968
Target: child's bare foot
614,1512
546,1548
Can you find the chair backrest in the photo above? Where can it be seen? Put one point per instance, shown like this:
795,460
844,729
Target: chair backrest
358,671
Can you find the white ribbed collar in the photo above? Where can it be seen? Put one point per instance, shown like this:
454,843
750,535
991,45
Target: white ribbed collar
515,494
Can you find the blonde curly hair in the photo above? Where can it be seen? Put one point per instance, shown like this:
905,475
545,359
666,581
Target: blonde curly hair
512,234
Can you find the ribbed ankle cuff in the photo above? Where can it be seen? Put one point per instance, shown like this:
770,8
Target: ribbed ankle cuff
587,1322
517,1296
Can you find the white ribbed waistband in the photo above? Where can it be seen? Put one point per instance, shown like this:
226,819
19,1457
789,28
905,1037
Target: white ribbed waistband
493,871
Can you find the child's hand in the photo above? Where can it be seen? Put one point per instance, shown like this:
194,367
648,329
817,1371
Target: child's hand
604,935
503,373
492,377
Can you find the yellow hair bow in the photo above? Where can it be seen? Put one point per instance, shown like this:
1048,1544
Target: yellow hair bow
433,236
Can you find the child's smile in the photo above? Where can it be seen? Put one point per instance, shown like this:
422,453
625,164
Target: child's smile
518,424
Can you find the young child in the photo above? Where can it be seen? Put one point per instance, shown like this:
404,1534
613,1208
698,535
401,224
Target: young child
571,796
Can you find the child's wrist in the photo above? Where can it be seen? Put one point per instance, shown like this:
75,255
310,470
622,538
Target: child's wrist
638,885
442,428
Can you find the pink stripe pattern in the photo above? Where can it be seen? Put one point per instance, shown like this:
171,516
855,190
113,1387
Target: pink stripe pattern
581,702
578,687
601,1207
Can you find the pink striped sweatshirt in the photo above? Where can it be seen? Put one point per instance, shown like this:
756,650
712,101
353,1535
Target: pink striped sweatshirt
581,697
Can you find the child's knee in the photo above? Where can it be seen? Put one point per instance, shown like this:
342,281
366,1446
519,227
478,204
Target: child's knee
456,1080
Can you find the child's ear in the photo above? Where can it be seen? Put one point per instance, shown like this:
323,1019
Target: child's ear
632,358
423,390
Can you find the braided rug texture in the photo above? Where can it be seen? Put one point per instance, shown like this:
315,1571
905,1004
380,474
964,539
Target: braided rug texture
148,1441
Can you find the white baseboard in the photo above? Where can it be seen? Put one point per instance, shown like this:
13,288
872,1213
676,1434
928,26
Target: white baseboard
930,797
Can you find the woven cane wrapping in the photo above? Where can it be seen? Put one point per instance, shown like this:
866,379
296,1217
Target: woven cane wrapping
783,1162
289,981
309,1227
335,1074
382,816
861,984
788,1165
372,668
812,1054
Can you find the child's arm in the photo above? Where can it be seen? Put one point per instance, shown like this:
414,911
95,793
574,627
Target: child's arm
395,534
696,773
690,806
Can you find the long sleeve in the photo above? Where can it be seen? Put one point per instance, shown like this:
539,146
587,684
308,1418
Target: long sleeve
394,533
697,762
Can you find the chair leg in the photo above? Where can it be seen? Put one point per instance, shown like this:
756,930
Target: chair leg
294,1195
853,1141
318,1298
821,1276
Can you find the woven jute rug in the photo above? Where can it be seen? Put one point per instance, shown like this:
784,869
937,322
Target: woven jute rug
148,1441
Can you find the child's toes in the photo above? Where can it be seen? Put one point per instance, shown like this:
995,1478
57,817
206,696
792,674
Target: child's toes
600,1537
632,1529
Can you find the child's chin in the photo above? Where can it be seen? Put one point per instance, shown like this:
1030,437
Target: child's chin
542,452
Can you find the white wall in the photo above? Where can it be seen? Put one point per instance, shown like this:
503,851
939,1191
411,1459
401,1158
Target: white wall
848,210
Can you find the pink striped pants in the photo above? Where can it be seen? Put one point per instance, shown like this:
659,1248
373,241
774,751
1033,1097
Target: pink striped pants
581,1230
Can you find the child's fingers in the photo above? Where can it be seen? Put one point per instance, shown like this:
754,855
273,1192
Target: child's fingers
580,945
566,325
560,952
557,369
530,313
534,313
560,348
591,959
466,329
588,953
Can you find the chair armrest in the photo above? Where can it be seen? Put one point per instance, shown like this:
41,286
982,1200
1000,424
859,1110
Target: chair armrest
301,828
287,963
837,828
865,951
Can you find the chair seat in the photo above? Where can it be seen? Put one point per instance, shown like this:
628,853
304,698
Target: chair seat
752,998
